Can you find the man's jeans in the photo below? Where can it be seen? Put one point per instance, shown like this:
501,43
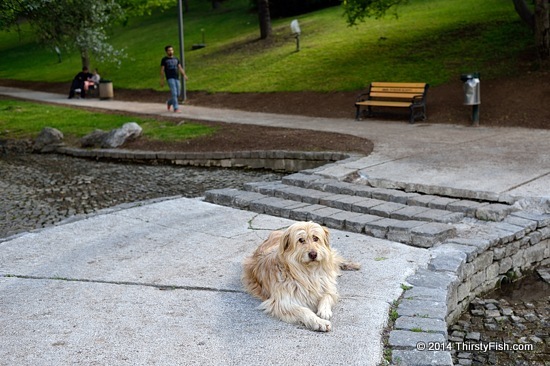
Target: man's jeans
174,85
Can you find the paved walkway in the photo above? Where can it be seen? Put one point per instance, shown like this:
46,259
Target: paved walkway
159,283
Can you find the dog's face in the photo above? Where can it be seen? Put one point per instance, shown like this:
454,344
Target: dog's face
306,243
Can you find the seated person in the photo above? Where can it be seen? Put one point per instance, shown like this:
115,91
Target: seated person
79,82
93,82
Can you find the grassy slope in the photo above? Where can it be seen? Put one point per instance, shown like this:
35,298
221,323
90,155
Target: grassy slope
432,41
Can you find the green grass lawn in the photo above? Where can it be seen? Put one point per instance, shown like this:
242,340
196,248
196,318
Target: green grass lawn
20,120
432,41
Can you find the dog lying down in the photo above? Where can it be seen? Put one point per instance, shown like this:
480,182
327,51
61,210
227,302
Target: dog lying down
294,273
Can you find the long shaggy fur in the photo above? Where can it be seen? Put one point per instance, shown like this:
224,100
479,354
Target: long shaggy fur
294,273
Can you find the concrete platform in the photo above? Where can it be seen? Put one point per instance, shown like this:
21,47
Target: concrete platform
159,284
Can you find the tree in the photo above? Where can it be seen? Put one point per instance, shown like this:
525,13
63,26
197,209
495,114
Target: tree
80,24
264,18
538,19
77,24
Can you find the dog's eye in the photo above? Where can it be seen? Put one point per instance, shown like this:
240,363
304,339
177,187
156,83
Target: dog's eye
315,239
302,240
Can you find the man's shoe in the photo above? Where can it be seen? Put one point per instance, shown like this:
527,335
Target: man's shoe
167,106
177,111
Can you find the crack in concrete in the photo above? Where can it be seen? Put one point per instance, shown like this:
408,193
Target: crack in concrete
527,182
251,225
125,283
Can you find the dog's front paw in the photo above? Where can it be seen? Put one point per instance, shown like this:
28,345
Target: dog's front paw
324,312
322,325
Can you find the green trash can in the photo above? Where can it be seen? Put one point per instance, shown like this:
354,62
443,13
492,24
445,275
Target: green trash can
106,89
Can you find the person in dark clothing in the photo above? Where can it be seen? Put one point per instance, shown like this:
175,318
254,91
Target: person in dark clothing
170,67
79,83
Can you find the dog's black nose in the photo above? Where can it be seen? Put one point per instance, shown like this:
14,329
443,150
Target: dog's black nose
312,255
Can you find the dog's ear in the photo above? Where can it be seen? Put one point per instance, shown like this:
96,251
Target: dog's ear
327,236
285,241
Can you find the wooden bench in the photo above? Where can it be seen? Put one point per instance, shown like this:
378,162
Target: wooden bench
398,95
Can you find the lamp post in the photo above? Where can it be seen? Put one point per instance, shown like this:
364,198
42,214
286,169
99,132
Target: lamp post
183,92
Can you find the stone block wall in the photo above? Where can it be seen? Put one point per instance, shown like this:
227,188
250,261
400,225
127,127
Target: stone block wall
482,264
277,160
460,269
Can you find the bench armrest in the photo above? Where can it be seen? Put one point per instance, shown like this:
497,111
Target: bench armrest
418,99
361,97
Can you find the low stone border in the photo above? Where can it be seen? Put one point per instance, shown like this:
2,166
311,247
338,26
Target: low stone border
277,160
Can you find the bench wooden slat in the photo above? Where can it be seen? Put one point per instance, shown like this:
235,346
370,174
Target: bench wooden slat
398,85
408,96
397,90
384,103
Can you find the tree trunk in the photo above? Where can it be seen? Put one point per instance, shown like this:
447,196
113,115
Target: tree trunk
525,12
265,19
85,58
542,29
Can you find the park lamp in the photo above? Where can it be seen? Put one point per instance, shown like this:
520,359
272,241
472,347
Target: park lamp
295,29
183,91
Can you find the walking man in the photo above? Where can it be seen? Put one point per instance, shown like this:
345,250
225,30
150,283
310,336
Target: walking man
170,67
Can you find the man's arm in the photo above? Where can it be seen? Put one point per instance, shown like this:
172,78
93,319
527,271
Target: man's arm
162,76
182,71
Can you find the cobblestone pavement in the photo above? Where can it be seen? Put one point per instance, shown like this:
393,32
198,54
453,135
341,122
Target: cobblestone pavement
508,327
41,190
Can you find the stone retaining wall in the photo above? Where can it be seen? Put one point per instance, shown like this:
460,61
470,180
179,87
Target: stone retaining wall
277,160
479,265
459,270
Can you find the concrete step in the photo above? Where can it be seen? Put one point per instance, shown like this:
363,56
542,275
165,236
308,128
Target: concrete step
382,206
482,210
407,217
417,233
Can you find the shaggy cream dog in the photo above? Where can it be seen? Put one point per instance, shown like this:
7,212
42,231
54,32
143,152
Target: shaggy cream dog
294,272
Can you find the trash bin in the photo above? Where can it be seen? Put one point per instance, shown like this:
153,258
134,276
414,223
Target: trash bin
472,93
106,89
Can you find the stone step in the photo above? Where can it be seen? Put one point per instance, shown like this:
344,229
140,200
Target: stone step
413,232
407,217
382,206
482,210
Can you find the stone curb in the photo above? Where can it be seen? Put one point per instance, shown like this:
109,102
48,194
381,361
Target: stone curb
278,160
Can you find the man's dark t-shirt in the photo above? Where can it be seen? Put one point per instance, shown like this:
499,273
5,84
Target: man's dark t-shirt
170,67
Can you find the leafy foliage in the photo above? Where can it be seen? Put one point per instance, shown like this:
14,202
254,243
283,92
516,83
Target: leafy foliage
76,24
80,24
358,10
